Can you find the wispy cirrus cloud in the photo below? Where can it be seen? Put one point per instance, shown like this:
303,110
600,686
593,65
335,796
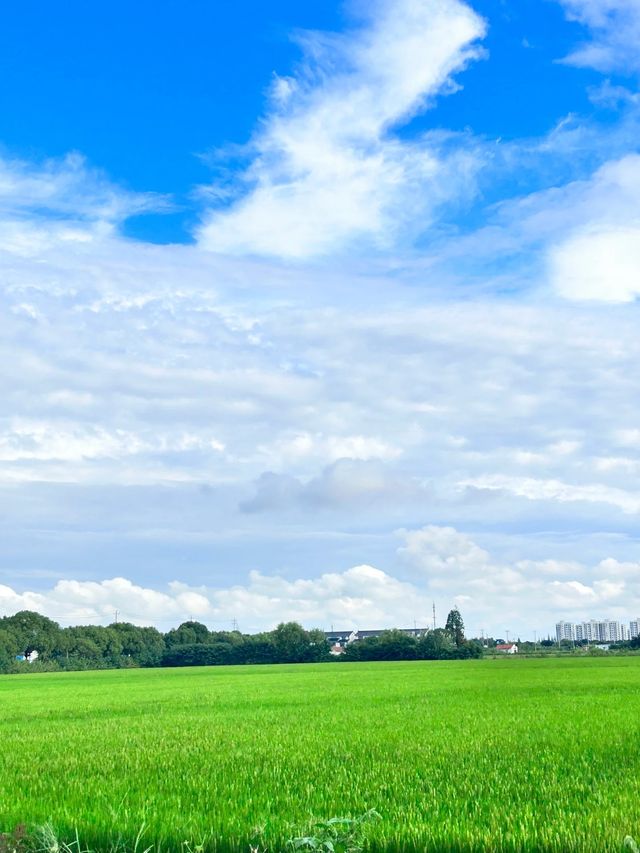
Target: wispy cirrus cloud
554,490
62,203
615,27
327,169
67,187
579,240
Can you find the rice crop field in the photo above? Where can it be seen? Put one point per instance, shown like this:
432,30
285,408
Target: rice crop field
496,755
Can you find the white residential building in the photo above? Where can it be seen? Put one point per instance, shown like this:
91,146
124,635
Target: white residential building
597,631
613,631
565,631
592,631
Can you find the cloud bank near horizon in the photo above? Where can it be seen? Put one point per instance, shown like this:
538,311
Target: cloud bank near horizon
447,567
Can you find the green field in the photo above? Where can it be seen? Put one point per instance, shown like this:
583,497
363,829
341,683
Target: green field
527,755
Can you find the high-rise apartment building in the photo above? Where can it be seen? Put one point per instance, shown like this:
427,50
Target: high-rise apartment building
597,631
565,631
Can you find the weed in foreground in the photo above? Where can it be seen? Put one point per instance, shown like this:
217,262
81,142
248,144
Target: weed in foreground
336,835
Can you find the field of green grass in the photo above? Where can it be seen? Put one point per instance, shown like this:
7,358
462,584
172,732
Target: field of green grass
506,755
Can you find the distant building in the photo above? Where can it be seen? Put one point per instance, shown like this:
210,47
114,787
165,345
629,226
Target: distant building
596,631
634,628
565,631
343,638
507,648
340,637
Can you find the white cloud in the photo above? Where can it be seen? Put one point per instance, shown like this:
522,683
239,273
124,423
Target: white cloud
578,240
526,592
441,550
600,259
69,188
598,264
306,451
615,26
627,437
327,170
346,483
40,441
554,490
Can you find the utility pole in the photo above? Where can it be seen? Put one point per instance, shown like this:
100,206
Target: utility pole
507,635
117,611
434,615
234,624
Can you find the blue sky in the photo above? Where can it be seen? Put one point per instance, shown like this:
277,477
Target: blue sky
320,312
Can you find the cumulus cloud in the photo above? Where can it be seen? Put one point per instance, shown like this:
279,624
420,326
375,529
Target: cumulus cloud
346,483
327,169
600,258
440,550
598,263
493,590
615,26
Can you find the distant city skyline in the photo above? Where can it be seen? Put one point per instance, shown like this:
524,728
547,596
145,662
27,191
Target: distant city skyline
598,630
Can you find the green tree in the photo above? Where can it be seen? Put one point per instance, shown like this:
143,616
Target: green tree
188,633
396,645
199,654
291,642
295,645
8,649
389,645
455,626
33,633
90,643
436,645
144,646
258,648
318,646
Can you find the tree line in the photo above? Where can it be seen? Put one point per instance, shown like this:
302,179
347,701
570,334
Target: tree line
30,642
